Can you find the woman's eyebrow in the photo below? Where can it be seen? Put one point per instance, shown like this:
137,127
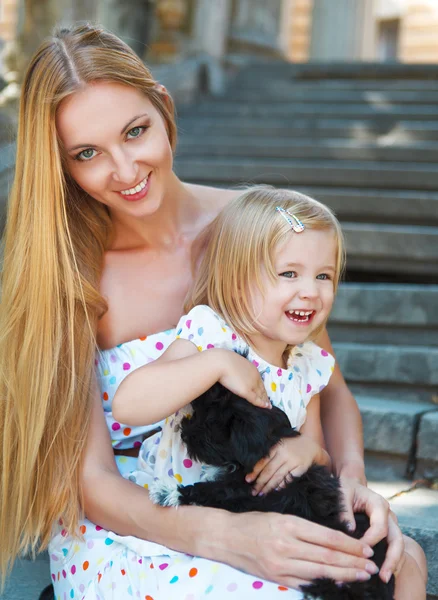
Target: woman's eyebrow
77,146
132,121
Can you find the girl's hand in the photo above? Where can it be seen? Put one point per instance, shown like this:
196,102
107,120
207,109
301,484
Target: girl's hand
291,457
383,523
241,377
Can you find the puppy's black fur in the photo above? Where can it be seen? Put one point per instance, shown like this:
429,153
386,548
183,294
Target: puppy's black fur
230,433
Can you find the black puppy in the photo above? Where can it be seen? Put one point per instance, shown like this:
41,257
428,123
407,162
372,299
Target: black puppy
232,435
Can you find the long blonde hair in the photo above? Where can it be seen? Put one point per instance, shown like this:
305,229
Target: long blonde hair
243,238
55,240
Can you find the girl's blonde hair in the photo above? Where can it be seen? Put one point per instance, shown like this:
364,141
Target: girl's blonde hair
55,240
243,239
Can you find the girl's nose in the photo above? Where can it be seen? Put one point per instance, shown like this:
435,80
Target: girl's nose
308,289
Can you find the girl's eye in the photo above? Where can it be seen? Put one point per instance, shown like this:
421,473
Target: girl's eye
135,132
323,276
288,274
86,154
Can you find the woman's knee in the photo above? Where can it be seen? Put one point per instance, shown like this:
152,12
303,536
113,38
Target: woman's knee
414,549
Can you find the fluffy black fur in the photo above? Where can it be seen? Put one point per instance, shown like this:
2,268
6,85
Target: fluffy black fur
230,433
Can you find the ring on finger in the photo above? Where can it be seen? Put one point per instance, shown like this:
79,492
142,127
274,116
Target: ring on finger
289,478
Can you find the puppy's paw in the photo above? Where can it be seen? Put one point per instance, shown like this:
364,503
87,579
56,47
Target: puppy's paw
165,492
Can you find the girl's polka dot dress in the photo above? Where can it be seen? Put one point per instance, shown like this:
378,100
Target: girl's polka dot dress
103,565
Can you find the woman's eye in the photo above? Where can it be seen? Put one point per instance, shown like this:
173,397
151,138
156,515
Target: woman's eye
135,132
85,155
288,274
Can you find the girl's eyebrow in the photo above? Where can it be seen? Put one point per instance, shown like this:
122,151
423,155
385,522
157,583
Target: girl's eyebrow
77,146
294,264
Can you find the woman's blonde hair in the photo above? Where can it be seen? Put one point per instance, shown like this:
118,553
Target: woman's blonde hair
243,239
54,245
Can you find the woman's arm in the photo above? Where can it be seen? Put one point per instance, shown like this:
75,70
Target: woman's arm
293,550
181,374
342,423
312,428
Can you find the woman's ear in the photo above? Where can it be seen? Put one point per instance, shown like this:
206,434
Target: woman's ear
162,90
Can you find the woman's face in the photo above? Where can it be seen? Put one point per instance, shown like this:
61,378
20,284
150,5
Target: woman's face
116,146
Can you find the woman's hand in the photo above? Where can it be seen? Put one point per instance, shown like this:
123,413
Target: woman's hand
383,523
241,377
286,549
291,457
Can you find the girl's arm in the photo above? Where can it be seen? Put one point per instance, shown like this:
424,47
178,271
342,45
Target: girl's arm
341,423
181,374
293,552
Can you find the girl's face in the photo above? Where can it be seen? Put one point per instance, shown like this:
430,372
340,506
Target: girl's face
301,297
116,147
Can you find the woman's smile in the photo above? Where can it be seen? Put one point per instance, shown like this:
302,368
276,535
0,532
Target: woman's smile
139,191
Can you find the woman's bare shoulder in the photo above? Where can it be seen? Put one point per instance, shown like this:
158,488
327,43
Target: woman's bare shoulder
213,199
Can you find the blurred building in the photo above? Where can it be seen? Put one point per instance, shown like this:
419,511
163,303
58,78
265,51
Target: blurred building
8,20
372,30
298,30
327,30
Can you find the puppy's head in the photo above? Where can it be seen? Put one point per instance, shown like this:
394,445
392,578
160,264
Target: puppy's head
226,430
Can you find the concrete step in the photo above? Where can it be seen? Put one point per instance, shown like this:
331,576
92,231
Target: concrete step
391,175
337,149
386,248
379,129
397,314
349,70
245,81
425,112
394,366
263,70
397,427
416,506
379,206
292,91
28,579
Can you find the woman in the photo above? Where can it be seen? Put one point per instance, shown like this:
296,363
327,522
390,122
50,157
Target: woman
99,243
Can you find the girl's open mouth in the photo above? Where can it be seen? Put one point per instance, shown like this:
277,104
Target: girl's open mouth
300,316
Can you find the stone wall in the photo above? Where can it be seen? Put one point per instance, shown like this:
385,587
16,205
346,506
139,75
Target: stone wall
299,30
8,20
419,32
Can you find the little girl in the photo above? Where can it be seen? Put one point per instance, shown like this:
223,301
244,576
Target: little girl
265,288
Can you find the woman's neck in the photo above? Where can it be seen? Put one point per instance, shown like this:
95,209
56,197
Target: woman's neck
175,219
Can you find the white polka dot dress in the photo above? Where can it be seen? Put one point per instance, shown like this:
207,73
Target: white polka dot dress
101,565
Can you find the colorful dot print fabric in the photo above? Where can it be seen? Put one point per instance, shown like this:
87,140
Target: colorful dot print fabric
309,366
101,565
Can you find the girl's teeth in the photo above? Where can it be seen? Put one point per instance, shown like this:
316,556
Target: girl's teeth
300,316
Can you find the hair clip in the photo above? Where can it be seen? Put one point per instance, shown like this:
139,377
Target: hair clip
293,221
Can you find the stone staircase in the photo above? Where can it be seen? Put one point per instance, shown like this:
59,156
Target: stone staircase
367,147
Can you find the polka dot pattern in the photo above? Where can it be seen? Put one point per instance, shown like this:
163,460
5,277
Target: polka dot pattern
127,574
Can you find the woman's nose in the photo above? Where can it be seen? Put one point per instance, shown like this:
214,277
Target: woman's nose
125,168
